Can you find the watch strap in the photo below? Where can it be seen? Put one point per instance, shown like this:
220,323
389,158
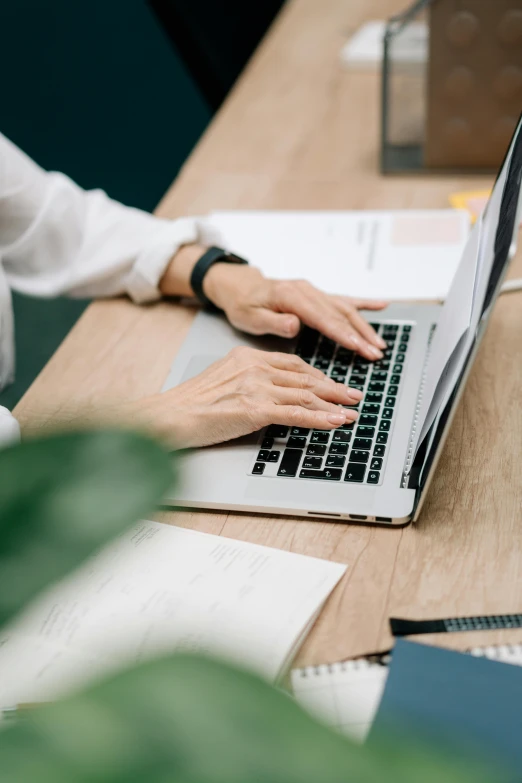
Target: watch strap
211,256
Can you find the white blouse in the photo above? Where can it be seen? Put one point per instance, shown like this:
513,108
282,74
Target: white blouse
56,238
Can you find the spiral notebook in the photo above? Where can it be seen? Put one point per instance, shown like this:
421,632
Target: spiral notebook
346,695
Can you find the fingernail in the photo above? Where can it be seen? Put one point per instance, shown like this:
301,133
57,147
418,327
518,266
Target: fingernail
354,394
352,415
375,352
336,418
380,342
355,341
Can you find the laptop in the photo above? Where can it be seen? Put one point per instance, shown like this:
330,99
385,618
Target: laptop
378,469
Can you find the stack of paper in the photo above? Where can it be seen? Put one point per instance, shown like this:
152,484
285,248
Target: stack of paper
391,255
160,589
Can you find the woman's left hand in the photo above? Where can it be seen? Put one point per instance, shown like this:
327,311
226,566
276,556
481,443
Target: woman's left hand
258,305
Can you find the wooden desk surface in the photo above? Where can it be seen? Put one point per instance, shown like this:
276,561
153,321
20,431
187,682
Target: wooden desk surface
298,131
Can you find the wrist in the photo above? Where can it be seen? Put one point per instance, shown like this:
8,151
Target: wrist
176,279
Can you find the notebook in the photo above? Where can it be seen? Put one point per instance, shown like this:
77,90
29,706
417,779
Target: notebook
347,695
391,255
159,589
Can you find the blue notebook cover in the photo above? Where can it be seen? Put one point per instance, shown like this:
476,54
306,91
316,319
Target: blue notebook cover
468,705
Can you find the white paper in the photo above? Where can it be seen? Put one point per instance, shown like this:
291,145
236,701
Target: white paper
344,696
391,255
366,46
160,589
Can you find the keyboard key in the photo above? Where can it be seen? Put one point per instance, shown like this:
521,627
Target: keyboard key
365,432
359,456
339,369
376,463
373,397
406,328
275,431
400,358
338,378
347,427
371,407
395,379
405,337
290,462
307,342
299,431
341,437
258,469
402,347
392,390
267,443
322,364
397,368
387,413
382,437
391,327
355,472
375,327
315,450
376,386
296,443
328,474
382,364
380,375
274,456
367,419
356,386
387,353
379,451
334,461
384,426
360,380
314,463
389,402
362,443
320,437
263,455
338,448
373,477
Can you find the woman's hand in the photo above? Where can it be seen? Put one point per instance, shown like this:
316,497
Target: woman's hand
258,305
242,393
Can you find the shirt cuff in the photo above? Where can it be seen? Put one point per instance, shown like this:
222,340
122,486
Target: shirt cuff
144,278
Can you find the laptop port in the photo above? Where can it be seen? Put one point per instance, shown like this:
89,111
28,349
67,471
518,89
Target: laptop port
383,519
357,516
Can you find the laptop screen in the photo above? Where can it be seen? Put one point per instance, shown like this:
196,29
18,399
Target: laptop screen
466,312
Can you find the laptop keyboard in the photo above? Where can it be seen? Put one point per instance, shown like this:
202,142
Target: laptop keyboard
355,452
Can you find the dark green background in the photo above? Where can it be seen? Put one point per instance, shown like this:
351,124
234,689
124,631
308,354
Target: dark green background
94,89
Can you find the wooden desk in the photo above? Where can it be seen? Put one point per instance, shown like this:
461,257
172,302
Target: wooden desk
300,132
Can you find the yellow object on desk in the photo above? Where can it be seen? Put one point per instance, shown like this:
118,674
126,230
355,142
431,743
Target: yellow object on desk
473,201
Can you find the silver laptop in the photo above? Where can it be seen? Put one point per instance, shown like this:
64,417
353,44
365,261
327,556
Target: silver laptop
378,469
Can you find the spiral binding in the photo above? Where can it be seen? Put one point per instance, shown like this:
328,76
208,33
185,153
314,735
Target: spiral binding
501,652
410,454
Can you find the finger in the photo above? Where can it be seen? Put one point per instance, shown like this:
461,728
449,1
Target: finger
296,416
260,320
322,312
291,363
307,399
365,304
361,324
327,389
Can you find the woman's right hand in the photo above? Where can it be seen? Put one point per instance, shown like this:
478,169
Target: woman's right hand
243,392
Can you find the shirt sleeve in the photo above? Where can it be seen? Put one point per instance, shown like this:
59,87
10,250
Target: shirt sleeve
56,238
9,428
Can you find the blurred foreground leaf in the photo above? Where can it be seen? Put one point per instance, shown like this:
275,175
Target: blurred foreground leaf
186,719
63,497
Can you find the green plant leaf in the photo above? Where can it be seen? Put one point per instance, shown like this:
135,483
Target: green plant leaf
63,497
188,719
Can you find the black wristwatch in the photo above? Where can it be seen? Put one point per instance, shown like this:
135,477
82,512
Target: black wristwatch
212,256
